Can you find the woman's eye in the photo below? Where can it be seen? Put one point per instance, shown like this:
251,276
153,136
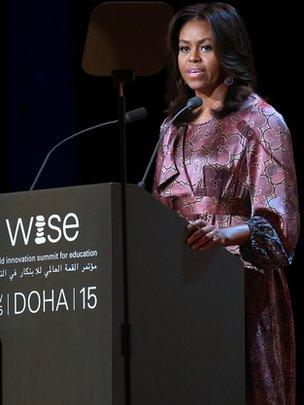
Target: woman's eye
206,48
184,49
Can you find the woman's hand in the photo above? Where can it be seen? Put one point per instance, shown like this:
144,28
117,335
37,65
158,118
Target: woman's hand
204,235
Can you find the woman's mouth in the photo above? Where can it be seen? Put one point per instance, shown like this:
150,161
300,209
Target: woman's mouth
195,72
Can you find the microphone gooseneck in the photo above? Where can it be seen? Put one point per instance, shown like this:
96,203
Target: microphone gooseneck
191,104
131,116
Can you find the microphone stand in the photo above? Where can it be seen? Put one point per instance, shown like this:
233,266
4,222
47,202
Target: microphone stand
120,79
193,103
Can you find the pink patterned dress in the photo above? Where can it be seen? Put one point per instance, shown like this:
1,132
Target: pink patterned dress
230,171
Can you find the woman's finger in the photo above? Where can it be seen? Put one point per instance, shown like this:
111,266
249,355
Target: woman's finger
196,224
211,242
198,233
206,241
202,241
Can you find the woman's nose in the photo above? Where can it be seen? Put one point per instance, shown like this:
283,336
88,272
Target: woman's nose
194,56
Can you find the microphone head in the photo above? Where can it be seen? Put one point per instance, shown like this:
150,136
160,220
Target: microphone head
138,114
194,103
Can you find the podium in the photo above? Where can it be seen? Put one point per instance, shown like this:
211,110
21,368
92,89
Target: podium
62,307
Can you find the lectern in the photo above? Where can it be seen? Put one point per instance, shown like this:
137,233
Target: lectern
62,307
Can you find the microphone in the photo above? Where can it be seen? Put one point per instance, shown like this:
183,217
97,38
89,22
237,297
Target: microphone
131,116
191,104
194,103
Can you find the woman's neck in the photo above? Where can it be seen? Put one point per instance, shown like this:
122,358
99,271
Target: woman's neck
212,101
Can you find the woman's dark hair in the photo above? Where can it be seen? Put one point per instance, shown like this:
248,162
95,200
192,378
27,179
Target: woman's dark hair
232,48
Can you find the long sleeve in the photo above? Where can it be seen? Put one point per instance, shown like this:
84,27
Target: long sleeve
159,167
271,181
264,248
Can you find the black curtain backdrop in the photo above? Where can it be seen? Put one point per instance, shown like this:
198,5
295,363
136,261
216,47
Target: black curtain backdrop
46,96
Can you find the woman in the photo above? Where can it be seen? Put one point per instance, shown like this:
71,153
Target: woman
228,169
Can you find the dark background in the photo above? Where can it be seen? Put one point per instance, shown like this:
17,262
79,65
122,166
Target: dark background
46,96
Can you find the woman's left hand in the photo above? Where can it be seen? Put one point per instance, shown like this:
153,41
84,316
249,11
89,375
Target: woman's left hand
204,235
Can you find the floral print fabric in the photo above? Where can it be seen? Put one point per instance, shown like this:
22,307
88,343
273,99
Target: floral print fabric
230,171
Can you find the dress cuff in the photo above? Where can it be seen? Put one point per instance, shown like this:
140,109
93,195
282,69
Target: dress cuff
264,248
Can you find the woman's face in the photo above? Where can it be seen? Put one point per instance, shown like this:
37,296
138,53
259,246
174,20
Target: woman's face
197,62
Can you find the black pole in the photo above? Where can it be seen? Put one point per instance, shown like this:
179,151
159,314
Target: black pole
121,78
